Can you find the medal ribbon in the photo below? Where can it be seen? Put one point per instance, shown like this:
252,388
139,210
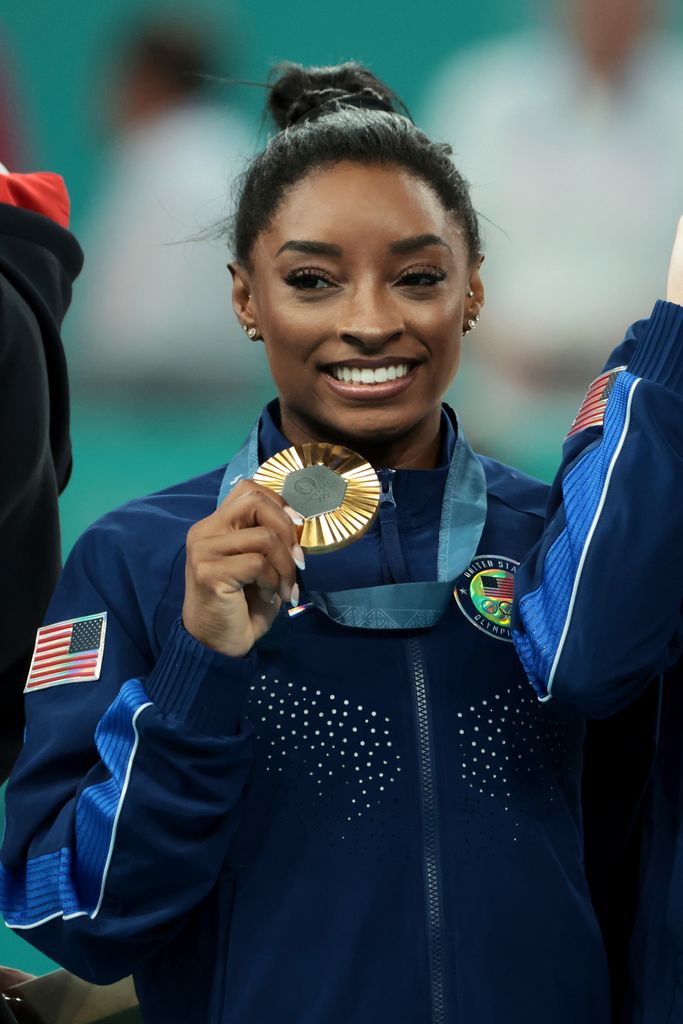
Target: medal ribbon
402,605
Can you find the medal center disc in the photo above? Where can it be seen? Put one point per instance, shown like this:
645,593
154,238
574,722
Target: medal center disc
314,490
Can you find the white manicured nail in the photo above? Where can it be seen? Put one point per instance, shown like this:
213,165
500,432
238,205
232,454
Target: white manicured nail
294,515
298,556
294,599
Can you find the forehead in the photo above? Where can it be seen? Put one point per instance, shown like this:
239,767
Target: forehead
354,205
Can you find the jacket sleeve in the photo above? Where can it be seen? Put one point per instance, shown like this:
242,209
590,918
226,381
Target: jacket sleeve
125,798
39,260
598,599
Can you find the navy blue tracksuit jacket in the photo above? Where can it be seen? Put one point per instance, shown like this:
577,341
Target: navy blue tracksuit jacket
348,824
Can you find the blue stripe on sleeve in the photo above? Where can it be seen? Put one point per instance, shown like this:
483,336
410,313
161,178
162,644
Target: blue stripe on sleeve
546,611
55,884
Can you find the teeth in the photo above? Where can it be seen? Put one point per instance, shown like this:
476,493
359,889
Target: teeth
356,375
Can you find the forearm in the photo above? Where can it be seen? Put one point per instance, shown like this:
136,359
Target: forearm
126,796
597,600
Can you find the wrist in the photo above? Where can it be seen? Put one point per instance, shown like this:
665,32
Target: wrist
217,640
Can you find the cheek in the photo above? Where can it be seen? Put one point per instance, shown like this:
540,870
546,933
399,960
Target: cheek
291,331
438,320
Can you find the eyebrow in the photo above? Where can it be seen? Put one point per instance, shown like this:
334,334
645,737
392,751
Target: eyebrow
404,245
312,248
418,242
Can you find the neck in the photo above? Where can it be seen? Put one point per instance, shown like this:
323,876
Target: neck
418,448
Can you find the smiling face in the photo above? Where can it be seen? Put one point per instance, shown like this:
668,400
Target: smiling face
359,291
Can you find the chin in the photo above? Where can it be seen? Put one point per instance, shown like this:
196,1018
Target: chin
372,428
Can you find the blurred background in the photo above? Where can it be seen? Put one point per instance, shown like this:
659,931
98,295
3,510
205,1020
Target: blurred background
565,117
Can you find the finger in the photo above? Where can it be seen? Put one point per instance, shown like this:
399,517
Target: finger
245,487
225,576
254,506
260,539
256,572
211,561
256,513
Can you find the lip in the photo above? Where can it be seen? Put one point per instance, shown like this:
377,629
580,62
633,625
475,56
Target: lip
368,392
373,364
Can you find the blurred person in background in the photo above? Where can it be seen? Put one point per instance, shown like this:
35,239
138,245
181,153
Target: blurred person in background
151,312
570,137
12,131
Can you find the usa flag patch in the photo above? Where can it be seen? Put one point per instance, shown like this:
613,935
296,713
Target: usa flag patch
67,652
592,411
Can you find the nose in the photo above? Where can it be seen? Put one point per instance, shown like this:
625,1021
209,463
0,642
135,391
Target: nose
371,322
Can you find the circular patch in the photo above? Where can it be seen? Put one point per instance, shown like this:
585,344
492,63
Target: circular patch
484,594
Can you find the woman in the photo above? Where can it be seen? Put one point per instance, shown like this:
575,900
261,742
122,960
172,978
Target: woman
353,808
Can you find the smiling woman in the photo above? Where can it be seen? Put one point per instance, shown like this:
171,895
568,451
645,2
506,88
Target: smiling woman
282,786
361,299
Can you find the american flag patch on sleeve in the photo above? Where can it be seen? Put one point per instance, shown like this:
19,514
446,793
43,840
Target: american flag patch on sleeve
67,652
592,411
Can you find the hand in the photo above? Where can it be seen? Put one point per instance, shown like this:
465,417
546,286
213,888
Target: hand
9,977
674,285
240,567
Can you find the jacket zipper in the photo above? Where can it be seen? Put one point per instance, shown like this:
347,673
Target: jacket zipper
394,567
429,831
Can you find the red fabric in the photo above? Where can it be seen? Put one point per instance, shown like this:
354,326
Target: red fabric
42,192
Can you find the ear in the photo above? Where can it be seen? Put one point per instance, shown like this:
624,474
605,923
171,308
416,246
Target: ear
241,294
476,286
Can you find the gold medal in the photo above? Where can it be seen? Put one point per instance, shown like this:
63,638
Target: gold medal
333,489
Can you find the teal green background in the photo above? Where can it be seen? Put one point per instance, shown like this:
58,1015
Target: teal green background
61,50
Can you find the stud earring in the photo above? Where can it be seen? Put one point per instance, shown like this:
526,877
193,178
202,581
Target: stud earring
470,294
250,332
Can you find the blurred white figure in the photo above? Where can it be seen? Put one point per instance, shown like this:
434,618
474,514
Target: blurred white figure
573,143
153,309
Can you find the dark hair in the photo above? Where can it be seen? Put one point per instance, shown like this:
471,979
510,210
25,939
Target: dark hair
330,114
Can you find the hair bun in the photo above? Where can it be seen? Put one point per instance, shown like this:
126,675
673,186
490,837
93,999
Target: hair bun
297,90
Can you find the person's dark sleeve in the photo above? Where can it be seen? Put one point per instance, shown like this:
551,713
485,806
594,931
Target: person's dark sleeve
126,795
39,260
597,610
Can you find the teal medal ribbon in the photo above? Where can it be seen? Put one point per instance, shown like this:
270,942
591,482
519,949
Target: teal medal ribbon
402,605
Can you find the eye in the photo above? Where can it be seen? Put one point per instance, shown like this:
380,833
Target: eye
309,279
421,277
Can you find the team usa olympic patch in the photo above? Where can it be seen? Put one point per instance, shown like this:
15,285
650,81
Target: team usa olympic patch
67,652
592,411
485,592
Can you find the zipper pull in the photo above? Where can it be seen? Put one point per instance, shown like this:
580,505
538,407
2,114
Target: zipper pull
386,478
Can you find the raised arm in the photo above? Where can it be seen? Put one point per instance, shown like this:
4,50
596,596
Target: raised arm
126,797
598,600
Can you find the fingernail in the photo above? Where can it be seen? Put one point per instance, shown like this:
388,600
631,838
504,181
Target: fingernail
294,515
294,599
298,556
267,596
